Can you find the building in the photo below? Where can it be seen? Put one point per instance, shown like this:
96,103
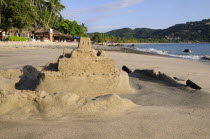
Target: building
51,35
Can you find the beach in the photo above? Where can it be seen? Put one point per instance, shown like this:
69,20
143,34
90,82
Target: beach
38,54
155,109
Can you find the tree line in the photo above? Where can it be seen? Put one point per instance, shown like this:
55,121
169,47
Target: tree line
104,38
36,14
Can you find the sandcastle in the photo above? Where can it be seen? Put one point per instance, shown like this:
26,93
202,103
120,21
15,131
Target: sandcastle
85,72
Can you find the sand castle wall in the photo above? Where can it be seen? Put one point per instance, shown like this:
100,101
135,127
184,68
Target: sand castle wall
85,85
85,72
86,61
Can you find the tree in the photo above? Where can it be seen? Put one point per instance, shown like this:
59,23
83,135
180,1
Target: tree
55,7
2,5
19,14
97,37
41,12
71,27
36,13
84,28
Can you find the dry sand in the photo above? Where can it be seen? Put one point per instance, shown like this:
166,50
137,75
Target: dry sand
25,45
155,110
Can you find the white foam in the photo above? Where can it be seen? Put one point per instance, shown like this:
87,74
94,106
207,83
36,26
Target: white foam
152,50
161,52
194,57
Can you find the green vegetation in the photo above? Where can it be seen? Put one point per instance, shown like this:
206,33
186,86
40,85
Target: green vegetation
190,32
102,37
72,27
35,14
14,38
99,37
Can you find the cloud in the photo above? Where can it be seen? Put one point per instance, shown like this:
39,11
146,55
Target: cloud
104,28
91,22
120,4
108,7
92,16
103,16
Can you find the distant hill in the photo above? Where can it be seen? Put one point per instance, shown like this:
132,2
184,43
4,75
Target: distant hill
191,31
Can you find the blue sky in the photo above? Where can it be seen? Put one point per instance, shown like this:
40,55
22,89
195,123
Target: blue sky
106,15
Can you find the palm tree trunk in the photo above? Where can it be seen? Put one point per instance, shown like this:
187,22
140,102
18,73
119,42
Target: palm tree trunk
55,22
0,16
1,7
49,17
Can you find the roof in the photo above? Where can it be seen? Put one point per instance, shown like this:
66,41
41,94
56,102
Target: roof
42,31
55,33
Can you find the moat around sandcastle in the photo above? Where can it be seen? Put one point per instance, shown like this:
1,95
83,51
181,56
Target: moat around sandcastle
85,72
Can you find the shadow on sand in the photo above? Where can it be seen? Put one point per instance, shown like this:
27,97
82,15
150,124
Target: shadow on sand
29,78
158,89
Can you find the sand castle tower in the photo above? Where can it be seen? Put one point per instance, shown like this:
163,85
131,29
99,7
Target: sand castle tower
84,71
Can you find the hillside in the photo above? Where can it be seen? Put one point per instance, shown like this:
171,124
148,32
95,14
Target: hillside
191,31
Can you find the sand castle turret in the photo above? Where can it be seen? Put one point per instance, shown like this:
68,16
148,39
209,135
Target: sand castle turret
86,72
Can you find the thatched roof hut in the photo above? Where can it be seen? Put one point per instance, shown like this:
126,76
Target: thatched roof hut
55,33
42,31
51,34
59,34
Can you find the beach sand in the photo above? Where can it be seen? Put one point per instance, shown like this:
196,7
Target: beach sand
155,110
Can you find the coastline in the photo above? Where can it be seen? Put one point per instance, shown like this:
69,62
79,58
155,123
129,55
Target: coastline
74,45
39,55
61,45
135,51
164,43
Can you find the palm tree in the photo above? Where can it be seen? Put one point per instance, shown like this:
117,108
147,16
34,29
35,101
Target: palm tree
55,7
56,19
84,28
41,7
2,4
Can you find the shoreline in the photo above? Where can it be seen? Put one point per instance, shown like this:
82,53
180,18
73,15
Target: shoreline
17,58
134,51
73,45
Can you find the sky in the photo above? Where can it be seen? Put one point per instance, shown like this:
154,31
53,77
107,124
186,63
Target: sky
107,15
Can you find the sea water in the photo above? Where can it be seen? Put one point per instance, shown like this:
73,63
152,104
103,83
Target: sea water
198,50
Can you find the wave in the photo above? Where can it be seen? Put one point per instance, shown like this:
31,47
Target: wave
194,57
152,50
161,52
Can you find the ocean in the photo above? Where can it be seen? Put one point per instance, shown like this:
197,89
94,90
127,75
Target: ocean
198,50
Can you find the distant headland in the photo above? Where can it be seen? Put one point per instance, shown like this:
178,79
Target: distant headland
198,31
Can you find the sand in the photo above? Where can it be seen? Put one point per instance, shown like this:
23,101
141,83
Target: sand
174,67
155,110
30,45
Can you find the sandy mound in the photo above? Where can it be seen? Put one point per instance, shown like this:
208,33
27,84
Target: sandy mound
41,105
8,79
23,79
10,73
